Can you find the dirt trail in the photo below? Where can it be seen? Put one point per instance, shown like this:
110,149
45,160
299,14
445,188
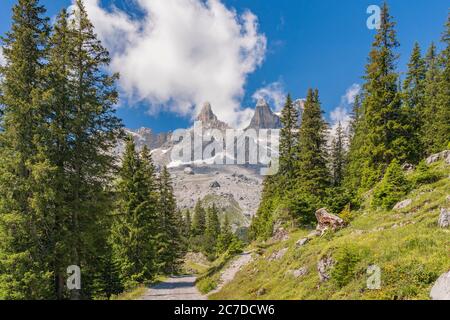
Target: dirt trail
174,288
229,273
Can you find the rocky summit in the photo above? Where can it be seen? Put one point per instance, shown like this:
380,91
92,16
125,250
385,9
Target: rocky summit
209,119
264,118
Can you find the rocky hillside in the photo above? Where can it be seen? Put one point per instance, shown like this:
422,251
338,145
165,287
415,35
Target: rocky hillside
408,247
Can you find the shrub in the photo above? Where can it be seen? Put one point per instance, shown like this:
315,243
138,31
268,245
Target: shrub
347,215
392,188
344,269
423,175
302,207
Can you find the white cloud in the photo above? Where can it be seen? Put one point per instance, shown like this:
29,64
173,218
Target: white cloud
182,53
273,93
351,93
342,112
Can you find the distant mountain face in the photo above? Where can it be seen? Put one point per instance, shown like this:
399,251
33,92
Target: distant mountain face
146,137
228,186
264,118
209,119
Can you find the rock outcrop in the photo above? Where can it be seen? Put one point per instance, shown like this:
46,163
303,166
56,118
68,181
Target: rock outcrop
298,273
264,118
214,185
277,255
323,268
328,221
403,204
444,218
280,235
441,289
444,155
301,242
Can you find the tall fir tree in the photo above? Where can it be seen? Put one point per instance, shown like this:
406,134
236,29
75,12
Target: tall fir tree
94,129
443,114
187,224
135,226
313,176
25,272
199,220
338,156
225,237
386,135
171,242
212,230
288,139
414,103
429,138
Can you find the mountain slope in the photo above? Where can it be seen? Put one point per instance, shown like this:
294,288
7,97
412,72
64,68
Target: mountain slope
407,245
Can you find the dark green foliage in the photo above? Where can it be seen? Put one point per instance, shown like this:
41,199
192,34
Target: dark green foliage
288,139
423,175
24,170
302,206
199,221
171,243
311,168
385,125
225,237
262,223
414,103
344,270
338,156
392,188
212,231
135,223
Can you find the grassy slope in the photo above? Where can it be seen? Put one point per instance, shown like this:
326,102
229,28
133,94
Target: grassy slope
407,245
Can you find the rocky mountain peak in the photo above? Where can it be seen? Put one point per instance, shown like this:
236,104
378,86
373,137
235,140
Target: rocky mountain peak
206,115
264,118
209,119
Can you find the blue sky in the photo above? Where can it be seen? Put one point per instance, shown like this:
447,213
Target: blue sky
322,44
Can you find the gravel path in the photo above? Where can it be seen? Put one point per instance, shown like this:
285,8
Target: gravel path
174,288
230,272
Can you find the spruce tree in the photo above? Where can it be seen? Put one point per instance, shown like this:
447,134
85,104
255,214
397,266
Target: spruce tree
93,129
414,103
338,156
288,138
212,230
127,232
312,172
443,113
428,114
384,124
171,242
187,224
225,237
355,161
199,220
25,272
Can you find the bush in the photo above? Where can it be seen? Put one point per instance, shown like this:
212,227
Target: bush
392,188
344,269
347,215
338,199
302,207
423,175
